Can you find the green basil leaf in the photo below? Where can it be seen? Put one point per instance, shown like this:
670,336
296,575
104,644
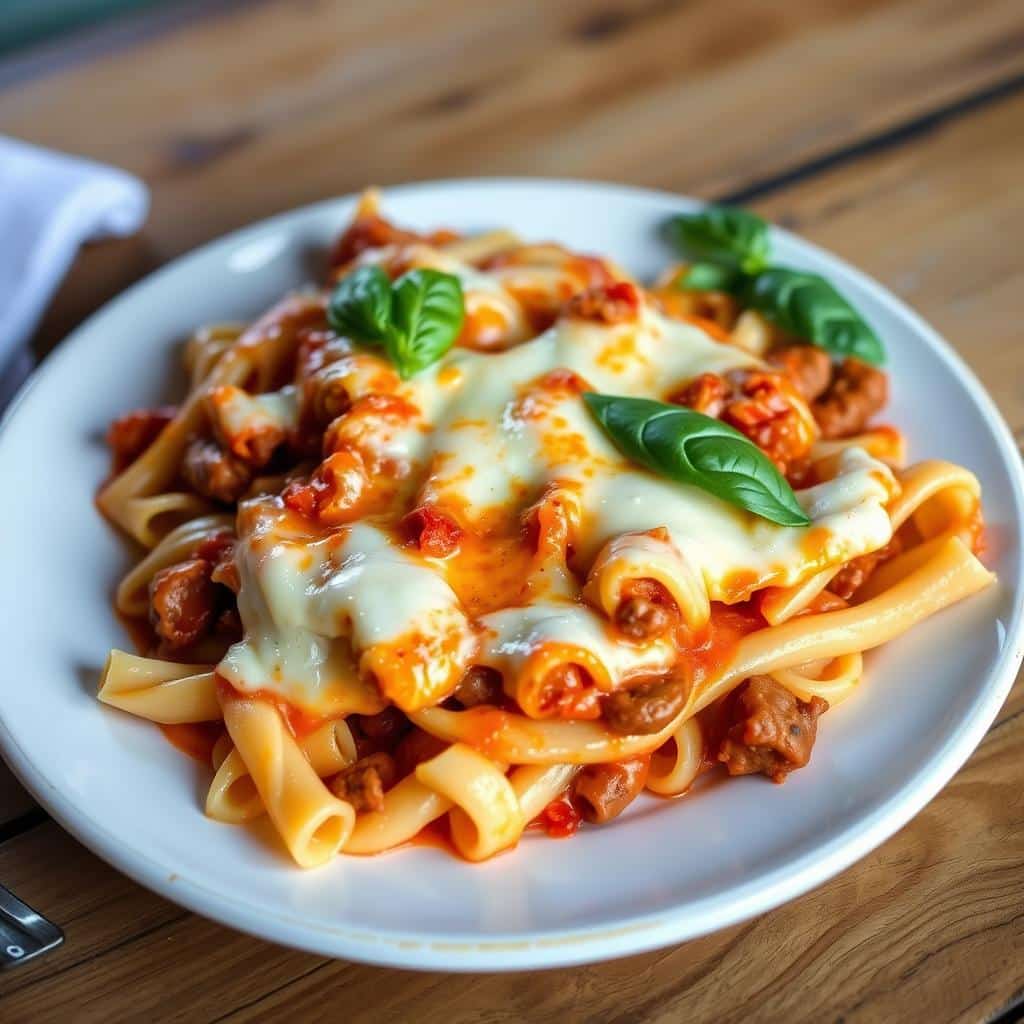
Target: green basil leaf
360,305
427,315
723,234
692,448
708,277
808,306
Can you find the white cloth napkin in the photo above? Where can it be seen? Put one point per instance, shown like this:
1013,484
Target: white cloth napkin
50,203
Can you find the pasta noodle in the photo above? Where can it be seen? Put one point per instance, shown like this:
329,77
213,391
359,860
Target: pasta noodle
162,691
430,588
672,772
487,816
233,797
313,823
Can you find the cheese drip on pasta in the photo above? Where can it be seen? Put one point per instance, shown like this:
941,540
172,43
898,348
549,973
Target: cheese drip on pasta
496,439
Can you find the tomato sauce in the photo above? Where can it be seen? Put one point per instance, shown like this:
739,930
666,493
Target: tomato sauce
560,819
197,739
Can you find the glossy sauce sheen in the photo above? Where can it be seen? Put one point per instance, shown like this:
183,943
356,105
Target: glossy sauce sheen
496,440
197,739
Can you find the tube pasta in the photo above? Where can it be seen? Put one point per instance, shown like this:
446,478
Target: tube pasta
408,808
639,556
313,823
478,247
205,348
488,817
232,796
782,603
834,680
536,785
329,748
940,497
672,771
148,518
952,574
162,691
132,499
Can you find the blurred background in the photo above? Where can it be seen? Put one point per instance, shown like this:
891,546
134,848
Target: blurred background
812,110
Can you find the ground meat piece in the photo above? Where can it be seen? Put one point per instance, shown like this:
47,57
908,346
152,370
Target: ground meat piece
182,602
480,685
768,730
856,393
363,784
567,691
766,410
706,393
645,709
603,791
219,550
385,728
215,473
416,747
646,610
229,624
130,435
855,573
614,303
809,368
763,406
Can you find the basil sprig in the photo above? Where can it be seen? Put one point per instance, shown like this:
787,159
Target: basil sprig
810,307
416,319
692,448
724,235
733,250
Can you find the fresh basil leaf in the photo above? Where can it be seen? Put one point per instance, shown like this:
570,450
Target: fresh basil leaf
808,306
692,448
708,277
427,315
724,234
360,305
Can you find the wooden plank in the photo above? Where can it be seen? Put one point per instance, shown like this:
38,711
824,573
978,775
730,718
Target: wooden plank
933,221
14,801
262,108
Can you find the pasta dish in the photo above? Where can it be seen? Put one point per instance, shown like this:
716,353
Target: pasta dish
485,535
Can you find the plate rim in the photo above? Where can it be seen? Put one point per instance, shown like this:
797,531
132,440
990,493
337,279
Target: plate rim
565,947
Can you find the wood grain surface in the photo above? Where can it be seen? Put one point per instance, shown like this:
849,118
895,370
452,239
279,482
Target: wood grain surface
891,133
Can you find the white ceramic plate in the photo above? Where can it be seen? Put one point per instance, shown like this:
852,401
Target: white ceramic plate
663,872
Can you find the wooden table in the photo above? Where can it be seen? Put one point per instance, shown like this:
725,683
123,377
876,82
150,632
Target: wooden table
892,133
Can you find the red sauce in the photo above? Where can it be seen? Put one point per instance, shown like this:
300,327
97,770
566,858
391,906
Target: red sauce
435,833
197,739
140,632
706,654
559,819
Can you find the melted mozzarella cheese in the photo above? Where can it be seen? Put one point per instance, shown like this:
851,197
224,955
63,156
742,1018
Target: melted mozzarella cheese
236,413
316,607
495,431
513,635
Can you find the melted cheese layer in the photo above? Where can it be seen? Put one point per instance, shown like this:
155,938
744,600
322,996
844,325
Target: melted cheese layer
489,433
